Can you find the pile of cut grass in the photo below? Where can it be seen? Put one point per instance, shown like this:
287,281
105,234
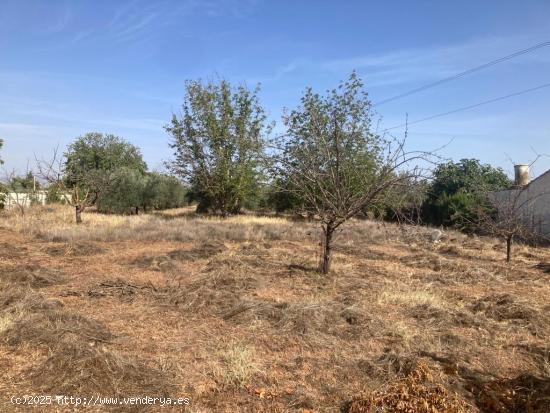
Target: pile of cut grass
78,360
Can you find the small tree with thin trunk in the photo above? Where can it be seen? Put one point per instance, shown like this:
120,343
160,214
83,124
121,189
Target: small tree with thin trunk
336,164
508,215
88,168
75,195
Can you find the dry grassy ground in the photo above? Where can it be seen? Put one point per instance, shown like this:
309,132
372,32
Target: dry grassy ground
231,314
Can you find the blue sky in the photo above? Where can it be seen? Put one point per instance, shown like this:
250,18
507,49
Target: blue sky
69,67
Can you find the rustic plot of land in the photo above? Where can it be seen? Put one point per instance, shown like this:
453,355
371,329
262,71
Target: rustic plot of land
232,314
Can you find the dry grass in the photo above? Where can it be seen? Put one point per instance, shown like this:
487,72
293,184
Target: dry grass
411,298
238,365
56,223
76,370
232,314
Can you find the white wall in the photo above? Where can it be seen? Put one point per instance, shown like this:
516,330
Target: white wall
536,201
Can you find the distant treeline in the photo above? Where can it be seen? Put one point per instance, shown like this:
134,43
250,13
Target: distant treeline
223,161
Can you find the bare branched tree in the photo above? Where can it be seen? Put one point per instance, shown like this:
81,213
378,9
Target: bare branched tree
336,164
512,215
512,219
53,172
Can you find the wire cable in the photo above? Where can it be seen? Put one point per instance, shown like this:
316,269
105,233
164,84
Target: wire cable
464,73
475,105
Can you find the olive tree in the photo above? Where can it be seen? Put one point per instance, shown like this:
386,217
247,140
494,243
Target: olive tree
131,191
335,162
125,192
217,142
86,169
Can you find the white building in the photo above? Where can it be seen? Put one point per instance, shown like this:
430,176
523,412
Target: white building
23,199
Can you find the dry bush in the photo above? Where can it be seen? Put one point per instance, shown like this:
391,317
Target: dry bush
411,298
252,280
226,289
36,320
389,365
205,249
502,307
424,305
6,320
419,392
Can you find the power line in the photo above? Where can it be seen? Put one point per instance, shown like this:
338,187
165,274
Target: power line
522,92
465,73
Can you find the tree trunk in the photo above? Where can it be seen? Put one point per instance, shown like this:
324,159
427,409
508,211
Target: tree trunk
78,214
509,248
327,249
137,210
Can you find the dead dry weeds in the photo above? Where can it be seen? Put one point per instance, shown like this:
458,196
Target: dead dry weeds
233,315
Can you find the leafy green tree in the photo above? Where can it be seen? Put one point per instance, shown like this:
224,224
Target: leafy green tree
125,192
92,157
131,190
283,197
88,168
217,144
164,192
334,161
458,189
1,145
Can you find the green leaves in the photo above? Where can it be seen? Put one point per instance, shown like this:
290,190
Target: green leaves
91,160
218,142
331,158
131,190
459,189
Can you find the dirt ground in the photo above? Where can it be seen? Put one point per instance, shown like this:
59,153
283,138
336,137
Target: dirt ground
248,325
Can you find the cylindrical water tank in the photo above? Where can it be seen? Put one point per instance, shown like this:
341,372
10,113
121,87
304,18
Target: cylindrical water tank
521,174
